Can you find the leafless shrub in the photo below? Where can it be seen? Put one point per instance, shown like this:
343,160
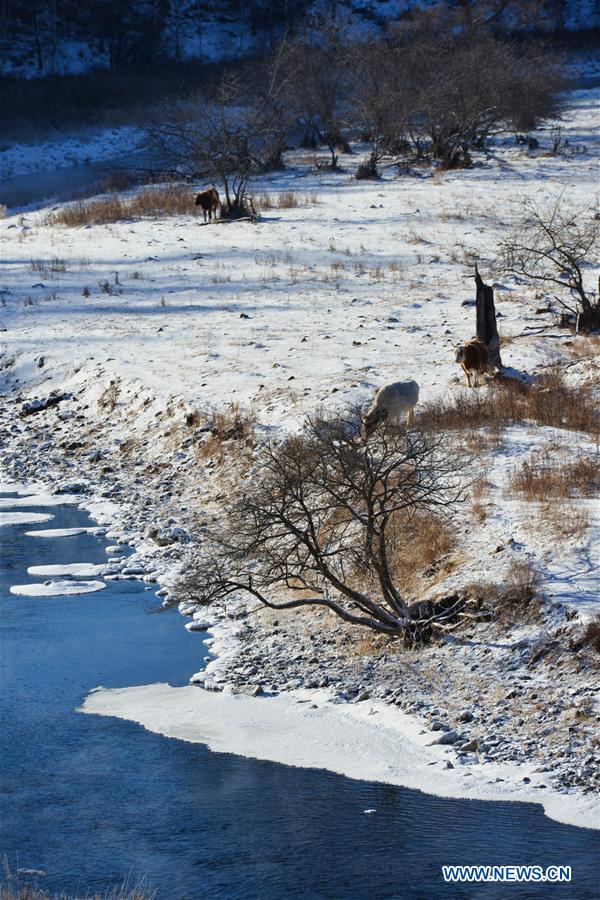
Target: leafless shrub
367,169
555,246
170,200
48,267
513,601
228,139
313,78
589,637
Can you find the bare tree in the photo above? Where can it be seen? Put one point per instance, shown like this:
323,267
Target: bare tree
226,140
469,90
555,245
315,73
381,94
319,526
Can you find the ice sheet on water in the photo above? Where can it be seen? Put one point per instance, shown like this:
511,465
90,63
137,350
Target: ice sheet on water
60,532
81,570
57,588
23,518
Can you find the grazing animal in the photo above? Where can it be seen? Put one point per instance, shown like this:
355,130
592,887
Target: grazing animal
473,356
391,402
209,201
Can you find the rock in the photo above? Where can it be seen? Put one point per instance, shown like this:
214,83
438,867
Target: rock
470,746
448,764
197,626
436,725
465,716
363,695
448,737
39,405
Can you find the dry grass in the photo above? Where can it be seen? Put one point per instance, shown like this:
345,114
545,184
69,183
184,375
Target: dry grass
23,892
549,401
169,200
589,637
48,267
514,601
110,396
231,423
421,545
284,200
479,494
564,522
544,477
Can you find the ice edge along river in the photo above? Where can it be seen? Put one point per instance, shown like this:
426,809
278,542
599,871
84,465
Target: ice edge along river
370,741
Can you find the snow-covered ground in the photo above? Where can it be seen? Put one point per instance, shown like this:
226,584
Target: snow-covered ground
141,324
88,146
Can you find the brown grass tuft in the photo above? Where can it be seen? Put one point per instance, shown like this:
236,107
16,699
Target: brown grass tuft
421,545
515,600
589,637
549,401
543,478
232,423
284,200
169,200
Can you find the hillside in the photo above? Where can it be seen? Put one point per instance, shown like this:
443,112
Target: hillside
171,350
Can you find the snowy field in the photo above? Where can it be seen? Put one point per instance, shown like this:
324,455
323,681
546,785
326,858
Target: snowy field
143,323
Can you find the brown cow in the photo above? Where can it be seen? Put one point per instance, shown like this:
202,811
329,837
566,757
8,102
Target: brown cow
473,357
209,201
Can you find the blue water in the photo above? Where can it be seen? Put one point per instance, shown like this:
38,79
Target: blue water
90,799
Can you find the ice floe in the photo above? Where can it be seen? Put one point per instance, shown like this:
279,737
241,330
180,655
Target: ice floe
57,588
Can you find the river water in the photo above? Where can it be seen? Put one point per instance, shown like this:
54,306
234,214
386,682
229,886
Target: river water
89,799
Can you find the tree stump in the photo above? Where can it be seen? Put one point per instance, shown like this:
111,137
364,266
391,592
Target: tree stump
487,329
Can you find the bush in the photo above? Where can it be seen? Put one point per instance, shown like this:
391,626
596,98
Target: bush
555,246
367,169
589,637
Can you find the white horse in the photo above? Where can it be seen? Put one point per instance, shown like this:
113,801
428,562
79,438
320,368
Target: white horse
391,403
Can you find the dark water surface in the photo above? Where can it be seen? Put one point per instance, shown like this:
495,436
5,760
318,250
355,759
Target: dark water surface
90,799
67,182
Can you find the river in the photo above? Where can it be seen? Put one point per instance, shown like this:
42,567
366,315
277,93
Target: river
89,799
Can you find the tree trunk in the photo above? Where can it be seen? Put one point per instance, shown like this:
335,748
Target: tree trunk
487,330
